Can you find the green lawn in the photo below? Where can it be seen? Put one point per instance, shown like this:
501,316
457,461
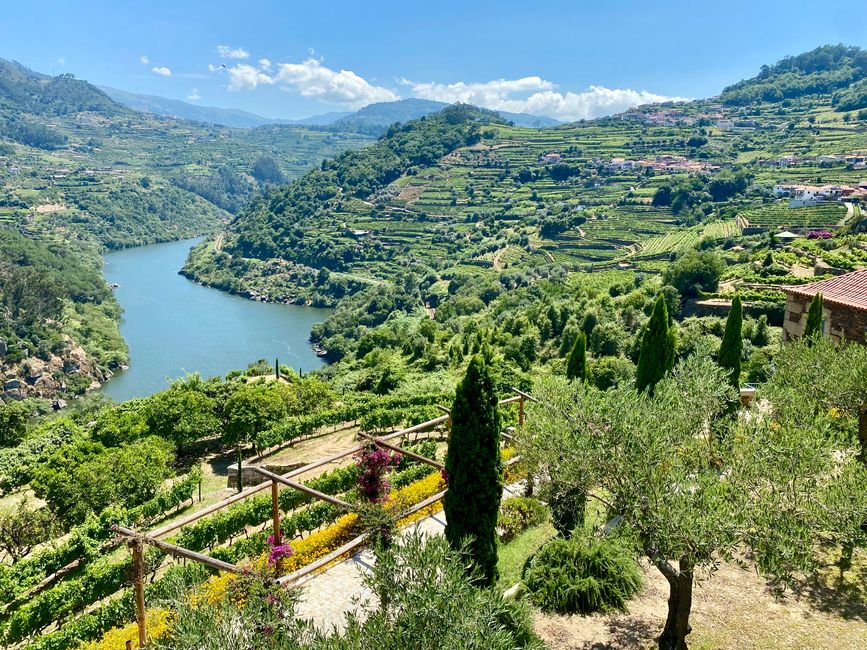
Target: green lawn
512,556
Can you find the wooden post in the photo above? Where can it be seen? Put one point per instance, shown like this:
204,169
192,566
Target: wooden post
277,369
138,586
521,411
275,511
240,473
128,644
200,490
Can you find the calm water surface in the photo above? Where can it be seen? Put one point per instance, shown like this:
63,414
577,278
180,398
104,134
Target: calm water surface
174,326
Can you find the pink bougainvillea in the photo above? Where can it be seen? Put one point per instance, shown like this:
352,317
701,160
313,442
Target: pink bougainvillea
278,551
375,464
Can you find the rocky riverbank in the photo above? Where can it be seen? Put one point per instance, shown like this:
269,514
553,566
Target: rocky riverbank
70,372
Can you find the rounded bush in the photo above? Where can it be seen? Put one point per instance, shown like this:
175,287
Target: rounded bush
582,575
518,514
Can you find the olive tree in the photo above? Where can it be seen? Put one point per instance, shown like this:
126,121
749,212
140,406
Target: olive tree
693,485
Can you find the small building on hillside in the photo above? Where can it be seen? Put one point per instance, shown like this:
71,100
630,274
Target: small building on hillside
845,307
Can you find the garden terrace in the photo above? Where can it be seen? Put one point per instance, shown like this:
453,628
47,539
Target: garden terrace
411,510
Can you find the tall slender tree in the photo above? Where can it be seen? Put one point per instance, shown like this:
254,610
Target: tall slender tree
813,327
657,348
576,362
474,470
733,343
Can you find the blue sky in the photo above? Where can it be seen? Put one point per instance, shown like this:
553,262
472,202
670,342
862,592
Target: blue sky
293,59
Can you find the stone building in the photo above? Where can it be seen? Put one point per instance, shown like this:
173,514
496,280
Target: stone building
845,307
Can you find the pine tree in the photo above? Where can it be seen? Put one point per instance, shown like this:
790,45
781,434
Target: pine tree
732,343
576,362
813,328
474,470
657,348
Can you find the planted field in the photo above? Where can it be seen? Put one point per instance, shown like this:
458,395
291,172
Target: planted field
779,214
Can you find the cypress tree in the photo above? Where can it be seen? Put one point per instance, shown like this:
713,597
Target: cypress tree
576,362
813,328
657,348
733,343
474,470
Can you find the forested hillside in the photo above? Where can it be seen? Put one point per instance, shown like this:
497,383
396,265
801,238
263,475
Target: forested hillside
819,72
474,240
80,174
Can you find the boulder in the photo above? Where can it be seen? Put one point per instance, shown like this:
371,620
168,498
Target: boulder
71,366
11,384
3,348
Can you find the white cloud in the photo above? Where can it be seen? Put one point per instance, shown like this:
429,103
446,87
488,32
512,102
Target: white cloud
310,79
194,95
144,60
61,61
227,52
162,70
216,68
246,77
538,96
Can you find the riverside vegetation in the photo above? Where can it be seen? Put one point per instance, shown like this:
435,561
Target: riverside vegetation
458,253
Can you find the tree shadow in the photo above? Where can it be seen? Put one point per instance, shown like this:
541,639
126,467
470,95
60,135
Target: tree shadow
626,632
829,593
220,462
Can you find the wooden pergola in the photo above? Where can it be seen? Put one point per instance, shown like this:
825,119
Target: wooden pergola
137,540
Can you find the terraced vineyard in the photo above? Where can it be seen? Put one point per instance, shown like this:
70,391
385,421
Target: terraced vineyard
779,214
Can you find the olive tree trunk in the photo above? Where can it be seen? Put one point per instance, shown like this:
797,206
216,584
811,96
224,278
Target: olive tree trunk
677,625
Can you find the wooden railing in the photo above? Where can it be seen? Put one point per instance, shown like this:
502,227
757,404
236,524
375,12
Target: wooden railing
137,539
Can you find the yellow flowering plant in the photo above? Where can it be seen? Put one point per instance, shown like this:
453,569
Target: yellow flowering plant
157,621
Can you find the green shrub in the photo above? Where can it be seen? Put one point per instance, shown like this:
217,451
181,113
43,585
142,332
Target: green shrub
517,514
582,575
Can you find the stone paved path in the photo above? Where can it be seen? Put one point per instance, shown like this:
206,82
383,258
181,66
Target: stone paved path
328,595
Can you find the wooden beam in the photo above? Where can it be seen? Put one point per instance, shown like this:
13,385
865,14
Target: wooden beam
276,478
248,492
321,562
525,395
138,586
421,459
275,510
418,427
422,504
509,400
179,551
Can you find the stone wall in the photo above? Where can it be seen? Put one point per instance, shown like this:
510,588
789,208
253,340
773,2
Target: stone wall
841,322
252,477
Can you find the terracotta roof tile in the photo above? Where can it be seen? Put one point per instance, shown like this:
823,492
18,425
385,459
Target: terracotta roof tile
849,289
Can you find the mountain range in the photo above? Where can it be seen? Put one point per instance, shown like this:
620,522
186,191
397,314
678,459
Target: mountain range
373,119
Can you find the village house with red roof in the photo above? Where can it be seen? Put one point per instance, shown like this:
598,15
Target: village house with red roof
845,307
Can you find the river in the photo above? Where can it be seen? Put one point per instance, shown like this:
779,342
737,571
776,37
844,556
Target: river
174,326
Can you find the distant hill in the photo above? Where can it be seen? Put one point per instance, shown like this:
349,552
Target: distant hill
24,91
233,117
375,118
164,106
825,70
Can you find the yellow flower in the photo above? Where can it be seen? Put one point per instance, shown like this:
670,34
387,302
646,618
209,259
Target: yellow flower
158,622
